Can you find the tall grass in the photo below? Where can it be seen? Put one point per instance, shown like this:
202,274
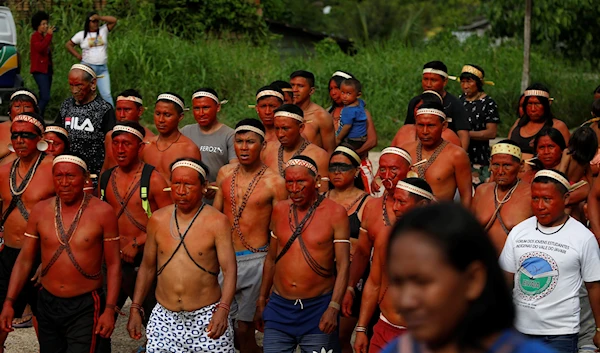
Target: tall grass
147,57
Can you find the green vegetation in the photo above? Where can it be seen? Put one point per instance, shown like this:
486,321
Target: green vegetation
151,59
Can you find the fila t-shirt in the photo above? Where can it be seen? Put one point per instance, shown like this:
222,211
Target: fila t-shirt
87,125
93,46
549,270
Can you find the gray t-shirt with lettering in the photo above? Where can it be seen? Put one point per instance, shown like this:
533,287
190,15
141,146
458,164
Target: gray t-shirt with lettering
216,148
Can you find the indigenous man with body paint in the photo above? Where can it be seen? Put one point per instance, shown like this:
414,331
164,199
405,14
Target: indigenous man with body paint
549,257
184,255
170,144
130,107
268,99
22,101
125,186
287,90
289,126
75,233
319,123
409,193
86,117
377,220
505,202
247,194
306,266
23,183
448,167
213,138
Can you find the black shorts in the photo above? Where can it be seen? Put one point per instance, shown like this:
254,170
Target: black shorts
68,324
129,273
28,295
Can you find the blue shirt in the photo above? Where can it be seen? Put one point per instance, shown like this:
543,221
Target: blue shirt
355,116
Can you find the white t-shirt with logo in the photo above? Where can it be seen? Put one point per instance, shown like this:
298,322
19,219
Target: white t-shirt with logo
549,270
93,47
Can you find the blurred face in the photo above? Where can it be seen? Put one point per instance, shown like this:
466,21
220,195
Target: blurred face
43,27
205,110
166,117
128,111
429,129
69,180
265,108
349,94
301,90
94,25
341,171
433,82
548,152
469,87
334,92
404,201
187,189
547,204
301,186
18,107
392,168
56,145
248,146
288,130
534,108
428,292
505,169
24,138
126,148
82,90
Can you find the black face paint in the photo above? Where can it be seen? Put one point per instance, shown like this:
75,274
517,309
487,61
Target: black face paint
24,135
340,167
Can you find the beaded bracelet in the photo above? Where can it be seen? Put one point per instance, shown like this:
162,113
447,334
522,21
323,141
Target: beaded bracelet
360,329
223,306
139,308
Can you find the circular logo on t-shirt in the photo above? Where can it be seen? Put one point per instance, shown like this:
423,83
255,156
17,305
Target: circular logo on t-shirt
537,276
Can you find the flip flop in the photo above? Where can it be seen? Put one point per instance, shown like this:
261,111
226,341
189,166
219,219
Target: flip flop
25,324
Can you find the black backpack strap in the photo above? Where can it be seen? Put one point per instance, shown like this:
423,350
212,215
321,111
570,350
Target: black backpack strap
104,177
145,188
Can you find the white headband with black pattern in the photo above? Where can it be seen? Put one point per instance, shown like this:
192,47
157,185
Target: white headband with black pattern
65,158
25,93
415,190
190,164
244,128
128,129
172,98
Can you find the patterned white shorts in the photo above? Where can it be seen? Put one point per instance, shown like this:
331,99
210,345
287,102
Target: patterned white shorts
185,331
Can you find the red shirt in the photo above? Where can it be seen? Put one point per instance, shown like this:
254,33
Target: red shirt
40,53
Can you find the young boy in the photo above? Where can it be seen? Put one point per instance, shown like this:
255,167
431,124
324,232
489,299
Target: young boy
353,119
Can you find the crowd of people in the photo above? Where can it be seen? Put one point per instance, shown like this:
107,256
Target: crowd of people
280,224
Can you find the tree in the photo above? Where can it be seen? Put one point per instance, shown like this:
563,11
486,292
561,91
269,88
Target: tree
526,45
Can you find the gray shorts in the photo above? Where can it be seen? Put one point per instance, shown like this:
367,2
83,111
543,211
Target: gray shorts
249,279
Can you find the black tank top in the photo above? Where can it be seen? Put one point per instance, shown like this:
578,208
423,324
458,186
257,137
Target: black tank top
525,143
354,221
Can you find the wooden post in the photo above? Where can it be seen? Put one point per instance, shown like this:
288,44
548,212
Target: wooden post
526,45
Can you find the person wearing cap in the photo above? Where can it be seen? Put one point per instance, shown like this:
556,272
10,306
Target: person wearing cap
75,234
247,193
170,144
319,124
549,257
377,218
409,194
21,101
286,88
86,117
482,112
213,138
306,269
130,107
289,127
447,168
187,245
268,99
501,204
23,183
435,78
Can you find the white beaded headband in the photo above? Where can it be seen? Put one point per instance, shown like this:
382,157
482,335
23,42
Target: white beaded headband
172,98
553,175
70,159
87,69
537,93
506,148
28,119
397,151
206,94
25,93
287,90
341,74
131,99
128,129
191,165
302,163
349,152
57,129
245,128
290,115
269,93
437,112
415,190
438,72
434,92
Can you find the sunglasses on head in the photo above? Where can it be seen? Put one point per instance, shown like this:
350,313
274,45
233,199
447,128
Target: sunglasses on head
340,167
24,135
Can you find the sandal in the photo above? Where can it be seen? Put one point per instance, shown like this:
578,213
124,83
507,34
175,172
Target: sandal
26,321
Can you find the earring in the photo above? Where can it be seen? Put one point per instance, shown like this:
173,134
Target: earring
11,147
318,185
42,145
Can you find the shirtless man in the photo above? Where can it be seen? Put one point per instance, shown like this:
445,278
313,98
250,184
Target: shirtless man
75,233
447,168
289,125
192,310
247,194
121,187
130,107
170,144
306,266
268,99
378,217
23,183
319,124
409,193
494,204
22,101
